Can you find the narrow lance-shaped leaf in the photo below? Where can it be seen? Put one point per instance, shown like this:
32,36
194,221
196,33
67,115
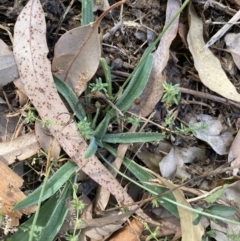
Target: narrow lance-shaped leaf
132,137
52,186
70,97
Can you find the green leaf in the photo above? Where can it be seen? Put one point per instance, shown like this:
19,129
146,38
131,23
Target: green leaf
51,217
144,177
87,12
92,148
136,85
107,74
70,97
197,217
53,184
221,210
132,137
214,196
102,127
132,91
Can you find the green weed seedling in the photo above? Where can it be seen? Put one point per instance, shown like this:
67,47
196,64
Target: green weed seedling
171,94
98,86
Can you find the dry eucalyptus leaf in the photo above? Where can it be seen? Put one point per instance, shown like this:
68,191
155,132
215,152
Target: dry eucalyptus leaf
76,56
154,89
190,231
234,153
46,141
4,49
77,53
173,165
220,142
7,124
10,194
8,69
19,148
208,66
127,233
30,50
103,195
232,41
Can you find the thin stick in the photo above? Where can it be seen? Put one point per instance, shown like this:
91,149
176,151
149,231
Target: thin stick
210,97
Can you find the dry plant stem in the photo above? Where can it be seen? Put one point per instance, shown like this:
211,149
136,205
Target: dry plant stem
6,99
223,8
118,49
223,30
149,121
210,97
113,30
8,32
63,17
187,102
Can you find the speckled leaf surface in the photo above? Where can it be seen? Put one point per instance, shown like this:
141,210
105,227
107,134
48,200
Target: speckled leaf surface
30,50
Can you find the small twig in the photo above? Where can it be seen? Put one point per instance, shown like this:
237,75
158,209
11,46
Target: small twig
223,30
210,97
112,31
63,17
221,7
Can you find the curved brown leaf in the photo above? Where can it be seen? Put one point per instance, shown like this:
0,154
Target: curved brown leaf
76,56
208,66
77,53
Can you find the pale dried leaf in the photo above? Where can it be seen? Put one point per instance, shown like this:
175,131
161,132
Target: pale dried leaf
208,66
4,49
76,56
8,69
30,50
154,89
173,165
151,160
234,153
20,148
220,142
232,41
10,194
7,125
46,141
101,233
190,231
22,98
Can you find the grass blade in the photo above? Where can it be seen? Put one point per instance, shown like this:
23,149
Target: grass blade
70,97
132,137
53,184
